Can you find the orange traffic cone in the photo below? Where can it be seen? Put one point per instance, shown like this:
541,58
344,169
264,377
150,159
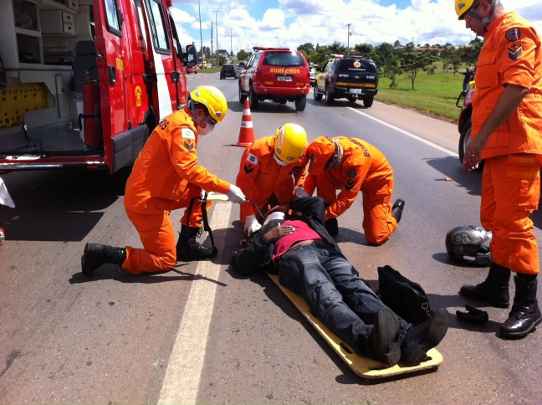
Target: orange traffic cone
246,133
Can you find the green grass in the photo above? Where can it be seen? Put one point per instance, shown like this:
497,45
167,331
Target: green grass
214,69
434,94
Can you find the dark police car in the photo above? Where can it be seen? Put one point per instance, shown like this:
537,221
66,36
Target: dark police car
351,77
228,71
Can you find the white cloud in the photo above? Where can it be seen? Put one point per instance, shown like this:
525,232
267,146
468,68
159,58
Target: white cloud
294,22
273,19
181,16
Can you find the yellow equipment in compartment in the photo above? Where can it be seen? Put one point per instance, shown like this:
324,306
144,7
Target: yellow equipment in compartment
16,100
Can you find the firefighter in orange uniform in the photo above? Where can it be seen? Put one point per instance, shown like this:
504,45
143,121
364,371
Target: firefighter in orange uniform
167,176
506,128
351,165
270,170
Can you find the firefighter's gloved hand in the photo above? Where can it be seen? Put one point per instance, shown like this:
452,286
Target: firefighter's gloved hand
251,225
236,195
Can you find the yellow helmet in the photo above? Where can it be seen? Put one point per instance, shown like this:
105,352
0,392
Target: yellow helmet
290,143
462,7
213,99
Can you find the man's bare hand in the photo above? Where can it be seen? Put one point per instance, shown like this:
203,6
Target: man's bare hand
471,160
278,232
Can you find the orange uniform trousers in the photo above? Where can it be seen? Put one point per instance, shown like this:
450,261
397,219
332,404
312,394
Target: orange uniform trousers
158,236
510,193
378,223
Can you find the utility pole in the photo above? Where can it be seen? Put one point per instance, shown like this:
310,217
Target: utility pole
348,41
216,24
231,42
200,33
212,38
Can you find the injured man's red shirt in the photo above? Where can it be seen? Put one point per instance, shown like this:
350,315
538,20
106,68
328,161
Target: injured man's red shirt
302,233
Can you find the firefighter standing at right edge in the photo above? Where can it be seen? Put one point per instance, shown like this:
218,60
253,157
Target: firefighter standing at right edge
507,136
167,176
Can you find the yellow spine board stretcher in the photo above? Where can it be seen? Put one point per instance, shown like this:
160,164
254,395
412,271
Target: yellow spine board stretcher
362,366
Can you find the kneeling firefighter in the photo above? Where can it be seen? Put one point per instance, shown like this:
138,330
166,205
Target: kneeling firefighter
352,165
167,176
271,168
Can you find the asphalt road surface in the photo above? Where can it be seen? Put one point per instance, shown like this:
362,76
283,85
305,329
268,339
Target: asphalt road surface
201,335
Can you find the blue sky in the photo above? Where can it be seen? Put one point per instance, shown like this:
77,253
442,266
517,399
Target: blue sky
246,23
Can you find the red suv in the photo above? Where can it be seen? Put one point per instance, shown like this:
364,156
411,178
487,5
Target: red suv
277,74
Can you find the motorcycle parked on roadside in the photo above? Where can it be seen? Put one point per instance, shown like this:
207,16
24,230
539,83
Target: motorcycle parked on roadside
464,101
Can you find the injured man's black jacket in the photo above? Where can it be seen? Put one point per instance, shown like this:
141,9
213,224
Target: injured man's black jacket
310,263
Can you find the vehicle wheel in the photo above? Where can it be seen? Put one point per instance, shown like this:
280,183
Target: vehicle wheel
464,140
329,97
253,100
300,103
317,94
368,101
352,100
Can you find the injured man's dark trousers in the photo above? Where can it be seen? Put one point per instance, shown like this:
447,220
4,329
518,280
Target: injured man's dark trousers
343,302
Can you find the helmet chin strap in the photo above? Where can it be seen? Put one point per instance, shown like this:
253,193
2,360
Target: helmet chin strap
279,162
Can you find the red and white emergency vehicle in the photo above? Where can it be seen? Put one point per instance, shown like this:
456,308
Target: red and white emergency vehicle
83,82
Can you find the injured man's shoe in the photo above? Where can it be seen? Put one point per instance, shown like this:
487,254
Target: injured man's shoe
384,339
422,337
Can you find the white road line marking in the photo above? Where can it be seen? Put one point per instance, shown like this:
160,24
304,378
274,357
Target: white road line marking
183,374
409,134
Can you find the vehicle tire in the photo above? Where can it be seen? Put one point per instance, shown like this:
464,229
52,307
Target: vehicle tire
317,94
253,100
300,103
462,146
352,100
368,101
328,97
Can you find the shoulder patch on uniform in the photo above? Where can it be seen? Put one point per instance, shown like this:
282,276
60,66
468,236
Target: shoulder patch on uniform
252,159
163,124
188,134
513,34
514,51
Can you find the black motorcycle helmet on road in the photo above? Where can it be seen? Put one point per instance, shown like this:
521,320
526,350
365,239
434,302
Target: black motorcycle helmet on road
468,244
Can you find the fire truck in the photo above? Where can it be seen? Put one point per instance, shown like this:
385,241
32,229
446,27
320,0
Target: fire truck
83,82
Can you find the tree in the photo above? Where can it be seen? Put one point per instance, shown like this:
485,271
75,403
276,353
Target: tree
364,49
243,55
412,60
307,48
386,57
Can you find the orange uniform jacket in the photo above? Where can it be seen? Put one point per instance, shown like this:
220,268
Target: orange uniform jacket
166,166
362,164
512,54
261,177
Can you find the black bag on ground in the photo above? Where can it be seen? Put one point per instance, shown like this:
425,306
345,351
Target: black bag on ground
405,297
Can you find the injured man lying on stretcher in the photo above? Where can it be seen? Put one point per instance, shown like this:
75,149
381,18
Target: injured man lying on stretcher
310,263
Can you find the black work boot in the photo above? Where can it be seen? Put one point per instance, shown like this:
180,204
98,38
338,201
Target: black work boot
332,226
397,209
384,339
493,290
525,313
423,337
190,249
96,255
